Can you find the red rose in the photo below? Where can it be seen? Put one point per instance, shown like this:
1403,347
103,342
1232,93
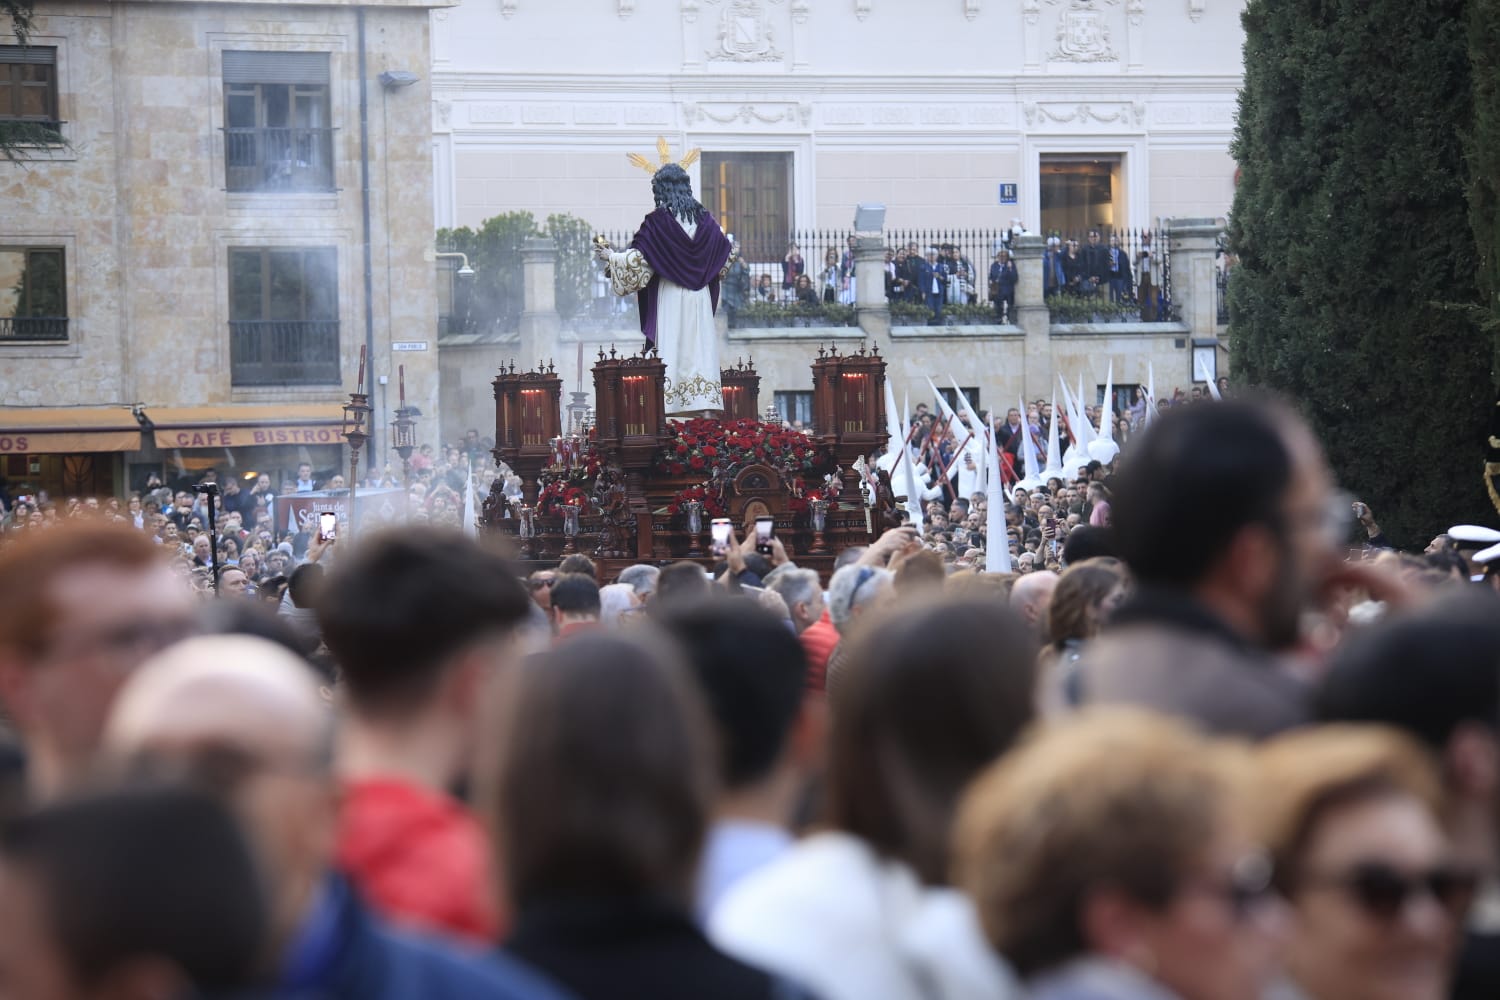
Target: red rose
710,450
682,449
676,468
696,462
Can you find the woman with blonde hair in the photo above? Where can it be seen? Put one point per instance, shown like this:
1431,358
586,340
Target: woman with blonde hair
1352,816
1109,859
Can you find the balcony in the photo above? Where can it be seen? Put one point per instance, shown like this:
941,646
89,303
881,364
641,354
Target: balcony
16,329
284,353
278,159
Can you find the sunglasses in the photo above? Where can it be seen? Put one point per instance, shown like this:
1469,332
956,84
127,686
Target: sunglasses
543,582
1383,891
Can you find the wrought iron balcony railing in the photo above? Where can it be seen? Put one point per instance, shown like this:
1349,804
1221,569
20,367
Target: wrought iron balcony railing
278,159
284,353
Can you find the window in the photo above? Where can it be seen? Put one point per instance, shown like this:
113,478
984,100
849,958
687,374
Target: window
750,194
33,294
951,398
795,408
283,316
1124,396
28,89
277,135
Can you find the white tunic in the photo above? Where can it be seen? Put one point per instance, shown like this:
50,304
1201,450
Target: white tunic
685,334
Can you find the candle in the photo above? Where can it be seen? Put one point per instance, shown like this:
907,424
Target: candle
401,383
361,388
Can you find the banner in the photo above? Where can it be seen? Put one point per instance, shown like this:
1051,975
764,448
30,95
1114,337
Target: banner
299,511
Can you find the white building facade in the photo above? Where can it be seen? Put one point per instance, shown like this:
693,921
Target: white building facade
1066,114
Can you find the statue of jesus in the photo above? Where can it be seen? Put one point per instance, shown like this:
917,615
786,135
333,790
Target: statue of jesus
674,265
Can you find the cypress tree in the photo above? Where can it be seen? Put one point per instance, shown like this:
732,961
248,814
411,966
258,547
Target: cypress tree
1357,287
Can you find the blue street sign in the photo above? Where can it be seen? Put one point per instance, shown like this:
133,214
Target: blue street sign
1007,194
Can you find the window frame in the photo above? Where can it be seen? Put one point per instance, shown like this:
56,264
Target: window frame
23,311
307,144
269,312
51,122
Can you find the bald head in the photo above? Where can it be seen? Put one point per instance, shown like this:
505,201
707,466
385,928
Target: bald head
230,691
1031,595
242,716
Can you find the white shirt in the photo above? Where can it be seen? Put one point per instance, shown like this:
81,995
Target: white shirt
831,914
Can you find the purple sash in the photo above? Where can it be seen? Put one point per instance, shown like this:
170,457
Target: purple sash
693,263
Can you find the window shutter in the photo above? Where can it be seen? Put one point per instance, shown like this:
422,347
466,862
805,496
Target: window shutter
34,54
276,67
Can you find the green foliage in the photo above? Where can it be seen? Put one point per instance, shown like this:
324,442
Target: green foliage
760,315
1483,149
492,299
970,313
574,280
1068,308
19,13
1355,293
905,313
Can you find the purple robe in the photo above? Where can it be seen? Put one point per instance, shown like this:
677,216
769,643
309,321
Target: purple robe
693,263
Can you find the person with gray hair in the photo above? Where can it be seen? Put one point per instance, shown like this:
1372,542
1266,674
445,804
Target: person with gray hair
803,592
852,593
642,577
615,600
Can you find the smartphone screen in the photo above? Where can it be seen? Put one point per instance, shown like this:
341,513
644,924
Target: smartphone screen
328,526
720,530
763,530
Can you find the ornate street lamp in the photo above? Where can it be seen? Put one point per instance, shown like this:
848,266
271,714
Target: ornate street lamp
356,432
404,432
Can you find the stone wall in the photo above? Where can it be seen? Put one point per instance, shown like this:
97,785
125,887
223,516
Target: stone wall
139,201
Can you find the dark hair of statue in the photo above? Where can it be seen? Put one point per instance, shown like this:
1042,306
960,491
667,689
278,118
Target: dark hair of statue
673,190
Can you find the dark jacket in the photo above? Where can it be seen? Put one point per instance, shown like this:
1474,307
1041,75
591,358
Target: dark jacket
635,949
356,957
1004,278
1165,651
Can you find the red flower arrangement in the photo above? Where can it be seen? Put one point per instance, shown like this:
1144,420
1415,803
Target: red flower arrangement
801,499
700,445
559,492
712,500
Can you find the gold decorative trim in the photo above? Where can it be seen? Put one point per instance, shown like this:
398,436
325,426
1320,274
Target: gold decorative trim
690,390
1491,471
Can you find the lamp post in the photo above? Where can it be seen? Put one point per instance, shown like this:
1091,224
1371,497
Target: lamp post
404,432
356,432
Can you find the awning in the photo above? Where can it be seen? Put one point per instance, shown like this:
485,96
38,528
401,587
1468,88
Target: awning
246,426
55,430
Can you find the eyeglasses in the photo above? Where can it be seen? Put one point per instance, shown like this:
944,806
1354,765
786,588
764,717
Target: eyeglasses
545,581
1247,886
1383,891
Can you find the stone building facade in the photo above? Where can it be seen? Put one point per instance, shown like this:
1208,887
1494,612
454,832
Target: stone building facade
928,108
206,209
955,115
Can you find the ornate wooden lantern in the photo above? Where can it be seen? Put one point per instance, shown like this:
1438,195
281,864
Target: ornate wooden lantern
528,415
741,391
849,396
630,402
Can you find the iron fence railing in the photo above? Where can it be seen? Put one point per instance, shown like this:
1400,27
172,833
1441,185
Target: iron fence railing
47,328
278,159
810,280
284,353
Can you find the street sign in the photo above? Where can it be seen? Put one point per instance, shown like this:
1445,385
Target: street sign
409,345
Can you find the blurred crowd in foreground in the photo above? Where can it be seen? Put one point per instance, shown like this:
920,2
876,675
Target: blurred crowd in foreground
1211,759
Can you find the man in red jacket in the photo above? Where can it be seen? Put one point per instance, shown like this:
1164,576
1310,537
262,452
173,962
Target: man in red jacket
417,623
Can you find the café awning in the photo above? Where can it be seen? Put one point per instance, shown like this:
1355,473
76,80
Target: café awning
246,426
54,430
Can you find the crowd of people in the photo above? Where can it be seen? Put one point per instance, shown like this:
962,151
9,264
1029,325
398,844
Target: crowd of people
1205,756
